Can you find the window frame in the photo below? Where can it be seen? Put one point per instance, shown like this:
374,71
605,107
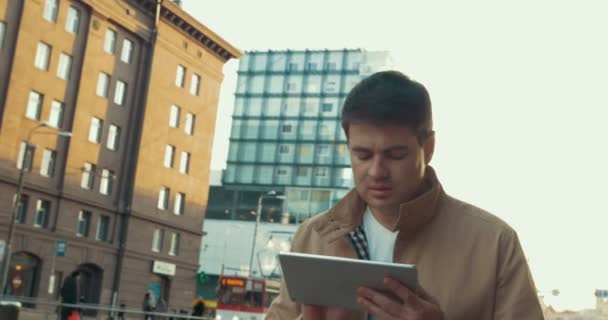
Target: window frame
38,106
72,20
180,76
127,56
106,224
47,165
113,139
46,213
109,41
42,59
64,67
84,219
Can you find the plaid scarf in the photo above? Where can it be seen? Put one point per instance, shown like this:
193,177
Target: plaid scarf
359,241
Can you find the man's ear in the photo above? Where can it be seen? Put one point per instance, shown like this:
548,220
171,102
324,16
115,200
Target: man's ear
429,147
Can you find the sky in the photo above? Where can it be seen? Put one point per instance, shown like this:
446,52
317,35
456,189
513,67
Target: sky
519,100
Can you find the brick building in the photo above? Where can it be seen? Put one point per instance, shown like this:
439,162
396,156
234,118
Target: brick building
136,82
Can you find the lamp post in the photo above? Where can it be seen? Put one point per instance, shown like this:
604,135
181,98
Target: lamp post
6,264
273,195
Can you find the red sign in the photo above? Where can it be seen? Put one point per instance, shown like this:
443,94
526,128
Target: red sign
17,282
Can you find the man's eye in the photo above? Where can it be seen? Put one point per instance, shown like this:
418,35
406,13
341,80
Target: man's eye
397,155
363,155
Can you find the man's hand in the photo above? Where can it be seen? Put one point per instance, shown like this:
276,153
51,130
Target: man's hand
400,303
312,312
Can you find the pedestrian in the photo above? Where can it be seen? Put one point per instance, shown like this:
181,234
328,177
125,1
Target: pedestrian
149,305
470,263
161,307
121,313
199,307
69,295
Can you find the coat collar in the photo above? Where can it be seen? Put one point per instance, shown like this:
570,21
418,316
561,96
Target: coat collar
347,214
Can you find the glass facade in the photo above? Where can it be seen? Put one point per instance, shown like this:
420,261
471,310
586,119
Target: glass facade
286,130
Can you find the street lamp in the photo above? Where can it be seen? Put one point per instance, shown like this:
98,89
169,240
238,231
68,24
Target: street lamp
270,195
6,261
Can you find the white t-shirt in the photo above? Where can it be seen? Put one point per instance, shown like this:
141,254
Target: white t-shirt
380,240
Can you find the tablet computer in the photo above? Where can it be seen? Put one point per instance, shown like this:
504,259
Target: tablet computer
333,281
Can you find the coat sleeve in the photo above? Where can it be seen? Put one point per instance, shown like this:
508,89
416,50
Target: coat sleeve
283,308
516,296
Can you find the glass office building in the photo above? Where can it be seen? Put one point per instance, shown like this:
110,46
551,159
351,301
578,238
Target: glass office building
286,134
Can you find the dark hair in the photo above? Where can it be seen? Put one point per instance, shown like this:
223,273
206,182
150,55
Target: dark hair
389,97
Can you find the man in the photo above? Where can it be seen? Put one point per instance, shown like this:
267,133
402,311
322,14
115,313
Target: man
69,294
470,263
199,308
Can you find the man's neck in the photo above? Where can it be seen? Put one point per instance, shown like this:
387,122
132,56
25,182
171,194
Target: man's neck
387,217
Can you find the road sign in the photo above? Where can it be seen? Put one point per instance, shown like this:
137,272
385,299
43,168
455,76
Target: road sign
61,247
17,282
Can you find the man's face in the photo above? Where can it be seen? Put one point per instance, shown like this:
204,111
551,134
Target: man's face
388,164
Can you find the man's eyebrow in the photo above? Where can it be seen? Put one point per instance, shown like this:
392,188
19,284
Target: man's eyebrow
388,149
397,148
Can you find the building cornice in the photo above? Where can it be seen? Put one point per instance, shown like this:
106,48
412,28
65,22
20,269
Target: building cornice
177,17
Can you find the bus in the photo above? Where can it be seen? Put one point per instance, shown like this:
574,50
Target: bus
243,298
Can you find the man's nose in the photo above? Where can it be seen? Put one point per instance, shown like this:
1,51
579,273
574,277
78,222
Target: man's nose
378,168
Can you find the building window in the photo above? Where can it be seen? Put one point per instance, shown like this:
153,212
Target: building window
65,66
327,107
174,116
103,84
311,66
157,240
102,228
2,32
189,127
126,55
84,222
283,149
180,76
184,163
195,84
330,66
282,172
120,92
286,128
169,155
178,206
113,137
301,172
291,87
22,208
34,105
47,168
105,186
43,55
323,150
109,41
321,172
174,249
330,86
56,115
50,11
88,176
95,130
26,156
163,198
292,66
72,21
43,208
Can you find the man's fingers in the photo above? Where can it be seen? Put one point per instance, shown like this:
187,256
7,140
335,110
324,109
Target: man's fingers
374,309
404,293
384,302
